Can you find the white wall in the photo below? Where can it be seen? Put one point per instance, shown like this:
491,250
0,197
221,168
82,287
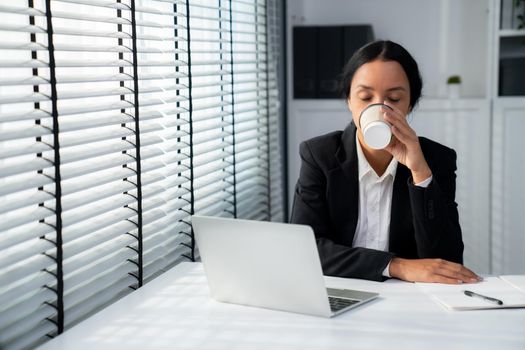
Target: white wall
466,26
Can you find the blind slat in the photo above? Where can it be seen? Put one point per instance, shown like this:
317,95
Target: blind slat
22,252
34,323
17,202
74,154
96,301
102,192
99,259
88,288
75,230
21,183
22,217
23,131
24,167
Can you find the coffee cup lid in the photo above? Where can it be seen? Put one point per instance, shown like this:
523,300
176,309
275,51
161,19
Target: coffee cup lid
377,135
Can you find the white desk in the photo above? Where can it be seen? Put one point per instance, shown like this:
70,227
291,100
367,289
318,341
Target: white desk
175,311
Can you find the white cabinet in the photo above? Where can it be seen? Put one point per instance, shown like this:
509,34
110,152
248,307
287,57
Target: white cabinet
508,140
508,186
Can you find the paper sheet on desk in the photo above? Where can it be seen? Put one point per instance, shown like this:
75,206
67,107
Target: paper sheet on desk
453,298
517,281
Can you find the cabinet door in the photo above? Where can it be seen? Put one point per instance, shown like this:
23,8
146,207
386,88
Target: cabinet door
330,61
304,62
508,189
464,125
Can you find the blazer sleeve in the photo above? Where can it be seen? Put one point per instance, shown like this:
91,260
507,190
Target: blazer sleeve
310,208
435,213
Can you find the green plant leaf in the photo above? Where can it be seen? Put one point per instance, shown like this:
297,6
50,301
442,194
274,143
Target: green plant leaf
454,79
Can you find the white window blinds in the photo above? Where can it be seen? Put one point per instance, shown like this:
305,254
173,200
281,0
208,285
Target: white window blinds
250,76
212,119
274,38
118,120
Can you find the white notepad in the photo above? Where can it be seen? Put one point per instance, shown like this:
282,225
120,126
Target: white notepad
517,281
505,288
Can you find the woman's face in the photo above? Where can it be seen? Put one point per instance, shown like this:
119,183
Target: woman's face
379,82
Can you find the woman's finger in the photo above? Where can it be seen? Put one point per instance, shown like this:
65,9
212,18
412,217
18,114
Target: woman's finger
457,267
444,279
392,108
459,271
400,135
394,115
405,134
459,275
394,147
401,123
453,270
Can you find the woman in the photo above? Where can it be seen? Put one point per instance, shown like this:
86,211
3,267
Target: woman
388,212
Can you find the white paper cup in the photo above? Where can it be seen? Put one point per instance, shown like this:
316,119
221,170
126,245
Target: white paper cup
376,131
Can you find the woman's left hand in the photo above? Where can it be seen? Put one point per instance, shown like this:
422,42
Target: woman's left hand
405,145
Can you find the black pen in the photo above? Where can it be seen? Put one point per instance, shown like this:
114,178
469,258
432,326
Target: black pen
484,297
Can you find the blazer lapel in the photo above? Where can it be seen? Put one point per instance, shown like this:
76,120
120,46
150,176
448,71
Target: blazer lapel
345,187
400,214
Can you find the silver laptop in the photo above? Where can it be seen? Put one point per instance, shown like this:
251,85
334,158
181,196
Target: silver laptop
268,265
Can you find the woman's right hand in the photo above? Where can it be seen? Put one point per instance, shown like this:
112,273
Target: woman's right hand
431,270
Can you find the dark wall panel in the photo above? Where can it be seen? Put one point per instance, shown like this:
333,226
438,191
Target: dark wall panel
319,55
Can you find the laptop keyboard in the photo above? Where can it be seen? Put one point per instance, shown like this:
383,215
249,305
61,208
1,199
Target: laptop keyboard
337,304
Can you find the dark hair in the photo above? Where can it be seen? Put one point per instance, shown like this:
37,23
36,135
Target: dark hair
384,50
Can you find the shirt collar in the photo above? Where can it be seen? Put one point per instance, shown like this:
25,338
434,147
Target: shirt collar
365,169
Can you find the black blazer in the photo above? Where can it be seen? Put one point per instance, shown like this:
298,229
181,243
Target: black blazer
424,221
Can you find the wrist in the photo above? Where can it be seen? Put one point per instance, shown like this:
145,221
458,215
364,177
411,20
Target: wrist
396,268
421,175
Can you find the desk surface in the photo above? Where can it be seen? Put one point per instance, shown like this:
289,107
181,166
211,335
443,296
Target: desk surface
175,311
